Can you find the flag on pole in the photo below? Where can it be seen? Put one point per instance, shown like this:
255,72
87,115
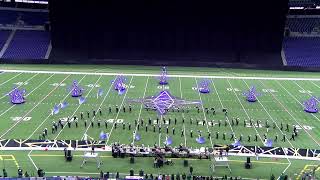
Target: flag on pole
236,143
137,137
121,91
268,143
200,140
168,141
103,136
99,93
64,104
55,110
82,100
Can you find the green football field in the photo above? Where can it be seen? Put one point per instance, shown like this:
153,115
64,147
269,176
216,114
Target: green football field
281,102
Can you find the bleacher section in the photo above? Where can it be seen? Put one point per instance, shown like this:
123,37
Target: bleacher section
27,18
30,41
3,37
8,17
303,24
28,45
302,51
302,3
34,18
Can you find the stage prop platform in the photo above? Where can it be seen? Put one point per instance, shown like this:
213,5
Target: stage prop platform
220,162
95,156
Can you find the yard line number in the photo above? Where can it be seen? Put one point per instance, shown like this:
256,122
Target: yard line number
233,89
305,91
58,84
20,118
21,83
163,87
269,90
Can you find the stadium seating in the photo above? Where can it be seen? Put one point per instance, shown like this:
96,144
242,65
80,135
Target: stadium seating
302,51
28,45
28,18
3,37
8,17
302,24
302,3
34,18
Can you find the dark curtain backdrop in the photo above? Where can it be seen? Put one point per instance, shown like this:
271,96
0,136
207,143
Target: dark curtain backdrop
218,31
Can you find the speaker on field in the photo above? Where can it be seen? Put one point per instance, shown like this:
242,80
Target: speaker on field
248,160
248,164
132,159
185,163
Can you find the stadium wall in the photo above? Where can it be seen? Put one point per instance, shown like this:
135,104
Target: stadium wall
176,30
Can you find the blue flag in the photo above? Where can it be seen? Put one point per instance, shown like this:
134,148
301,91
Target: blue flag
99,93
103,136
200,140
64,105
55,110
168,141
237,143
268,143
82,100
137,137
121,91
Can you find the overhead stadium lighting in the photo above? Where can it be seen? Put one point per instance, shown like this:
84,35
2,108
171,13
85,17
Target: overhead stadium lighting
31,2
296,7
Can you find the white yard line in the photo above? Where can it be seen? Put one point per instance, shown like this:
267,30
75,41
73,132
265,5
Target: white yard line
184,127
315,84
216,90
270,116
45,121
286,167
204,114
34,164
93,117
115,120
278,128
290,113
161,119
301,103
32,108
144,94
20,85
296,98
10,79
26,96
77,108
157,75
245,111
49,115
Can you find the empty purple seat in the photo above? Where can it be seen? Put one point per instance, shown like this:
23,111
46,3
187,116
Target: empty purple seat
8,17
34,18
302,24
29,18
302,51
28,45
3,37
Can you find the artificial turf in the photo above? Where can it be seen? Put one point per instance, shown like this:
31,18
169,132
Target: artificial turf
281,101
